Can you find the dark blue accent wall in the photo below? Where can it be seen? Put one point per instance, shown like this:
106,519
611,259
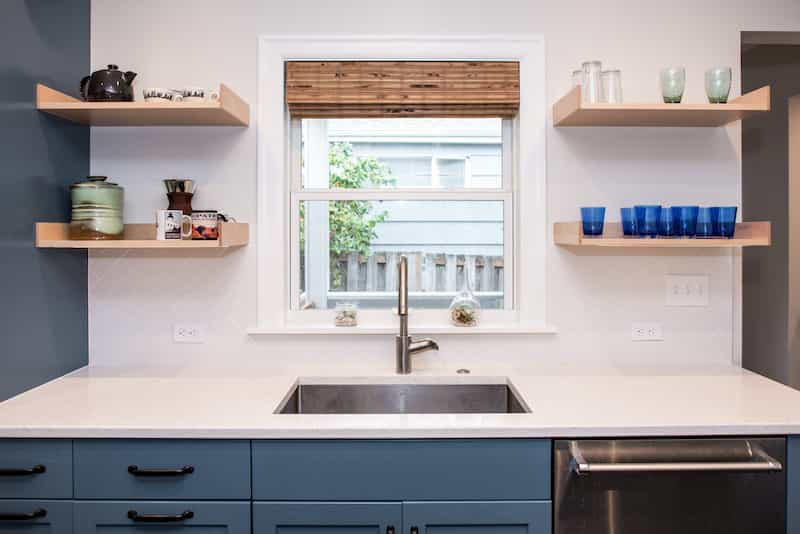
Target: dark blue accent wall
43,293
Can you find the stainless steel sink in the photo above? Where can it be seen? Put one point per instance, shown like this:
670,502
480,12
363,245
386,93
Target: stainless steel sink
402,399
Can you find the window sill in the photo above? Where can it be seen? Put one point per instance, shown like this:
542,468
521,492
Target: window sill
514,329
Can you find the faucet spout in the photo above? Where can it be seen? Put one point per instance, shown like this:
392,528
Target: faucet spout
405,345
422,345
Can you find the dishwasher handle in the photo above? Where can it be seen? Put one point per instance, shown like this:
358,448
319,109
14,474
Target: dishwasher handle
763,462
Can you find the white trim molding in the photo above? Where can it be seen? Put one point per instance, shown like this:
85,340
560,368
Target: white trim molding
529,236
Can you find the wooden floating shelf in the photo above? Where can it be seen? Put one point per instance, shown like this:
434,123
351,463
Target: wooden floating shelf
229,110
140,236
571,111
748,234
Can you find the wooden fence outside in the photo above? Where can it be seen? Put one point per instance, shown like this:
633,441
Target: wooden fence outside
426,272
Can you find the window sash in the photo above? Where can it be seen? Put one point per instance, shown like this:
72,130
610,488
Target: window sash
505,194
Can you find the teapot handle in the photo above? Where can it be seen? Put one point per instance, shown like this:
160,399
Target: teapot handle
84,82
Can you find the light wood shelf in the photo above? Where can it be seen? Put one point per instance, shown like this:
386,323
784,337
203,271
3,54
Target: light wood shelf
229,110
747,234
571,111
140,236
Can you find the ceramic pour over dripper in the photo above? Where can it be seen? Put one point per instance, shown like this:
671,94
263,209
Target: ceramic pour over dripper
175,185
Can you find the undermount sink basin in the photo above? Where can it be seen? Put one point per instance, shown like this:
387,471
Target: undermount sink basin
404,398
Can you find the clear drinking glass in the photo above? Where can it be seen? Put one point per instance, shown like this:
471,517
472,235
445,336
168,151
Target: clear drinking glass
577,78
592,88
612,86
673,82
718,84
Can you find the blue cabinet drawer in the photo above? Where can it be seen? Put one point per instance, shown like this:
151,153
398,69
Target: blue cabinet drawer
35,469
162,469
396,470
35,517
498,517
327,517
191,517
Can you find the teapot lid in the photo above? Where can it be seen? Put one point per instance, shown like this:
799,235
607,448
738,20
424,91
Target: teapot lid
96,182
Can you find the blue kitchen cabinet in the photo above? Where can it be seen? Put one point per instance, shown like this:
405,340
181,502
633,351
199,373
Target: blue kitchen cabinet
161,517
434,517
35,517
487,517
793,485
327,518
35,469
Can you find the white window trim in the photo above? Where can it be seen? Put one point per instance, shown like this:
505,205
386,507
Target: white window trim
273,232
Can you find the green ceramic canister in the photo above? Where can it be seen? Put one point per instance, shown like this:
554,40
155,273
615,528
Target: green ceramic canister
96,209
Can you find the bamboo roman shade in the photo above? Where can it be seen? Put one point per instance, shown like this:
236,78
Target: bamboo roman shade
329,89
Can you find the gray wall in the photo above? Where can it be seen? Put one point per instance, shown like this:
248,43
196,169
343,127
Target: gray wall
43,293
767,310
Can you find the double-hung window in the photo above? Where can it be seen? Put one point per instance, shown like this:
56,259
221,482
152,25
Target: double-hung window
401,158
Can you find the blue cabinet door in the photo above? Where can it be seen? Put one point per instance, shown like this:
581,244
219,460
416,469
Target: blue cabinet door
162,517
793,485
35,517
470,517
327,518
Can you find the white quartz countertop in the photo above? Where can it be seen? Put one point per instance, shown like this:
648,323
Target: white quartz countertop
568,401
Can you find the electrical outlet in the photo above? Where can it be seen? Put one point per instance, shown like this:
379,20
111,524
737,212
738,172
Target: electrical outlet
686,290
647,332
188,333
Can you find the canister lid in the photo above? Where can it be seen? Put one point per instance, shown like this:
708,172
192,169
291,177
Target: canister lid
96,182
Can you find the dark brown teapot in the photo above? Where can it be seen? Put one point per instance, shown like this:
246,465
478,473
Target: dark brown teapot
110,85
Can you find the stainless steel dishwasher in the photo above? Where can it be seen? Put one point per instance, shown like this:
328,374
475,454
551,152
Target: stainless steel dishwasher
670,486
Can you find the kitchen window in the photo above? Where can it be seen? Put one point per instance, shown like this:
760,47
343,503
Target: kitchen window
363,198
436,181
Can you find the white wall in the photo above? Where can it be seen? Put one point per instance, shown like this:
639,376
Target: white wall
135,297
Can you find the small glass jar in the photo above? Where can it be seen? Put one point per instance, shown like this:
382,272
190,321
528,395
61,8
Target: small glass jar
346,314
465,310
577,78
612,86
592,89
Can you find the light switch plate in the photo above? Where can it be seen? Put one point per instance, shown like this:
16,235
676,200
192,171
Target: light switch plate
647,332
686,289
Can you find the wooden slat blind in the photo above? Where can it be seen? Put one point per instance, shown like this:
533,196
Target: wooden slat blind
328,89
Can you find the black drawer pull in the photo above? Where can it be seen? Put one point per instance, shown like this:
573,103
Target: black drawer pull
35,470
137,472
135,516
390,530
414,530
36,514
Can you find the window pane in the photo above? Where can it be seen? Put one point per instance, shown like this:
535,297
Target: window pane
349,249
398,153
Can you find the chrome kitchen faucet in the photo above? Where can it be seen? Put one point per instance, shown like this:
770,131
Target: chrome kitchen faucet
405,346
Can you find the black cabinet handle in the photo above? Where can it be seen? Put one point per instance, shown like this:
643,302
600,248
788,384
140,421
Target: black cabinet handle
414,530
137,472
135,516
36,514
390,530
35,470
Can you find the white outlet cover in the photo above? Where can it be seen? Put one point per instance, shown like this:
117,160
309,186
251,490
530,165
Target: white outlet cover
188,333
686,289
647,332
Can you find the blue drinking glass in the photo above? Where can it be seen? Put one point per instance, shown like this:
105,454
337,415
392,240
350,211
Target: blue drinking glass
628,218
592,219
706,222
726,221
667,226
647,219
685,218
